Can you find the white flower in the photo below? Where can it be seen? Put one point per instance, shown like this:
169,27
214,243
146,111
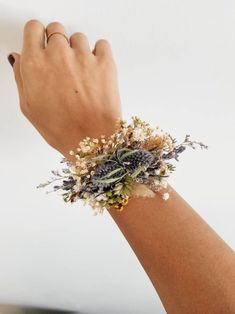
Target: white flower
157,182
165,196
86,149
78,185
124,131
72,169
138,134
101,197
83,171
157,171
164,184
83,164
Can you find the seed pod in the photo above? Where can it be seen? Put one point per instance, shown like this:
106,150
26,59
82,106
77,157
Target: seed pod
107,173
137,158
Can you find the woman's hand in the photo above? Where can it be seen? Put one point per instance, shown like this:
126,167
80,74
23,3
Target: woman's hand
66,90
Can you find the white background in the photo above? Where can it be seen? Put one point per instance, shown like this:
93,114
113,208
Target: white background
177,70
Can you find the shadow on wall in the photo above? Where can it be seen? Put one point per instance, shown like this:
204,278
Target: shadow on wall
14,309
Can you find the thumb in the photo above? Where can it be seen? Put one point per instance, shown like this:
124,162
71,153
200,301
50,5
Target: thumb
14,60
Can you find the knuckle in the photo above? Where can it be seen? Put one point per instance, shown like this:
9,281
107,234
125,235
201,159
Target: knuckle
64,59
60,59
102,41
30,64
32,22
30,61
78,35
63,54
85,63
54,24
108,64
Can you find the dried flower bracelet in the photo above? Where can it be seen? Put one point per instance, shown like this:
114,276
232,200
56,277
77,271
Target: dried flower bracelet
133,161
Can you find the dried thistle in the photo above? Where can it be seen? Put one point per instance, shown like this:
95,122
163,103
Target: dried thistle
109,170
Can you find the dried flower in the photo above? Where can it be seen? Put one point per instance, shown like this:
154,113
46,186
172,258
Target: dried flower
134,161
124,187
165,196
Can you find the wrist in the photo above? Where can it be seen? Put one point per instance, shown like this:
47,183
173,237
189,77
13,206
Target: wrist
94,132
133,161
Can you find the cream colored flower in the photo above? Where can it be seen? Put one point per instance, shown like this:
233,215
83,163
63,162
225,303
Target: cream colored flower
164,183
101,197
138,134
72,169
157,171
86,149
83,171
157,182
165,196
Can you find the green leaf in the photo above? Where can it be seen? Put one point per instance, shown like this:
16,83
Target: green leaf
124,149
119,199
170,167
109,193
111,180
128,153
100,157
111,173
137,171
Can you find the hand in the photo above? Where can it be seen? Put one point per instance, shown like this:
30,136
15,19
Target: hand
66,90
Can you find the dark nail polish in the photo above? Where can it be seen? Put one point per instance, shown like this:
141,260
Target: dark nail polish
11,59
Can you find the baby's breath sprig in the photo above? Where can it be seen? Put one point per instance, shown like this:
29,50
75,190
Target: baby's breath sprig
133,161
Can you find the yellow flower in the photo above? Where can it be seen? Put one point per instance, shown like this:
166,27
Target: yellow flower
154,141
125,201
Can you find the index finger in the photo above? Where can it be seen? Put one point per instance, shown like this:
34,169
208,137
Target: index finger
33,37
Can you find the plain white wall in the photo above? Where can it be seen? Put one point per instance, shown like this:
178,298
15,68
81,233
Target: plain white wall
177,70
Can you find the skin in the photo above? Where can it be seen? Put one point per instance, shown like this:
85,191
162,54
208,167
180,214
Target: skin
68,91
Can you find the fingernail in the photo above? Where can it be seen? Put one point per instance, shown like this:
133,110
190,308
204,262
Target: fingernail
11,59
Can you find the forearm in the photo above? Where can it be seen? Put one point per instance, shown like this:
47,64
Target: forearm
190,266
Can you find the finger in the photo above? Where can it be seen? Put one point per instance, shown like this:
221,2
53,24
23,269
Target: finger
34,37
18,79
79,42
102,48
56,39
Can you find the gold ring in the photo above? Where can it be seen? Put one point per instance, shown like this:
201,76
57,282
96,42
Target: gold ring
59,34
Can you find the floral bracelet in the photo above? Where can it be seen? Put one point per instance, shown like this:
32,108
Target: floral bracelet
133,161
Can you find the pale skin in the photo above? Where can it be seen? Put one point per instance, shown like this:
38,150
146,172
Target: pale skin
69,91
